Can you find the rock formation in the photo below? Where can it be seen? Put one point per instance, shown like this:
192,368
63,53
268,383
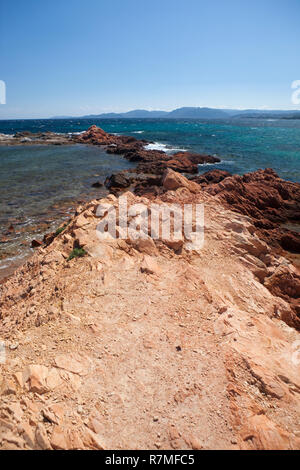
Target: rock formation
125,343
146,345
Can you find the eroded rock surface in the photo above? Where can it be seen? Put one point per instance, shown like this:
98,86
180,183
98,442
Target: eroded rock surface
147,345
269,200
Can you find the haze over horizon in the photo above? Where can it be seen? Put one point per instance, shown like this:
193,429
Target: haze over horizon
116,57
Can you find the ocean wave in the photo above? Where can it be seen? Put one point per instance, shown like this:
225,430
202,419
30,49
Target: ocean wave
222,162
11,260
138,132
163,147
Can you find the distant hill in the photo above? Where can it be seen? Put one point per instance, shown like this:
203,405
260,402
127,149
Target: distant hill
198,113
266,114
135,114
193,113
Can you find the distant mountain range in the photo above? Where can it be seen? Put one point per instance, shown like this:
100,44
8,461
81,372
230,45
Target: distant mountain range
193,113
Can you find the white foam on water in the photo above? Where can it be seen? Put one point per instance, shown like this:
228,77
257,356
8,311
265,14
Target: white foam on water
138,132
10,261
163,147
222,162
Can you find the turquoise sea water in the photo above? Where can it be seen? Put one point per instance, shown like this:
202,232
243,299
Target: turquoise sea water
40,183
243,145
40,186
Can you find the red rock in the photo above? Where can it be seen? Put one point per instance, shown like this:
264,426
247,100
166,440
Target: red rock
94,135
290,241
15,410
28,434
70,363
53,413
41,437
150,266
211,177
260,433
35,375
118,181
173,180
36,243
286,284
92,440
58,439
97,184
263,196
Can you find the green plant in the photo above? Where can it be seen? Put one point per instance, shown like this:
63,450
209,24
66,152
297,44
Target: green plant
77,253
61,229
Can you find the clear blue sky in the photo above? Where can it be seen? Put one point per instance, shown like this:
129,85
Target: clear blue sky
77,57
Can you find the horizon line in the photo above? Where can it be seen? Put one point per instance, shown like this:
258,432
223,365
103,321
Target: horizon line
75,116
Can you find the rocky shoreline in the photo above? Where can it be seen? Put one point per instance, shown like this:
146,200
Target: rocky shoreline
272,204
39,138
143,344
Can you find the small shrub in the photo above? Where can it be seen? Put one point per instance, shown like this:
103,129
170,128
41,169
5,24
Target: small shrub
61,229
77,253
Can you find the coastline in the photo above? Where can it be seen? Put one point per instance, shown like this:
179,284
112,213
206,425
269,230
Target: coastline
39,138
132,332
142,345
144,179
29,139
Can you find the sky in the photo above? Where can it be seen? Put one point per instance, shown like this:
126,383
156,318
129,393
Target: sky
77,57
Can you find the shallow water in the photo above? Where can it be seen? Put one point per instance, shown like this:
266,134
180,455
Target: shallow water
40,186
243,145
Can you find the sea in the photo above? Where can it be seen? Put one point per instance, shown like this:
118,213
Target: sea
40,184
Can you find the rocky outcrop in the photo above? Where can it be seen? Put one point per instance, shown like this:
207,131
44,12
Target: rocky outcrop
173,180
36,138
210,177
149,161
143,343
96,136
268,200
183,162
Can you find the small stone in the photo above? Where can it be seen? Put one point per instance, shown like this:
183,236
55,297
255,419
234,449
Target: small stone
15,410
27,434
8,387
36,243
36,378
196,444
41,437
58,439
92,440
222,310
